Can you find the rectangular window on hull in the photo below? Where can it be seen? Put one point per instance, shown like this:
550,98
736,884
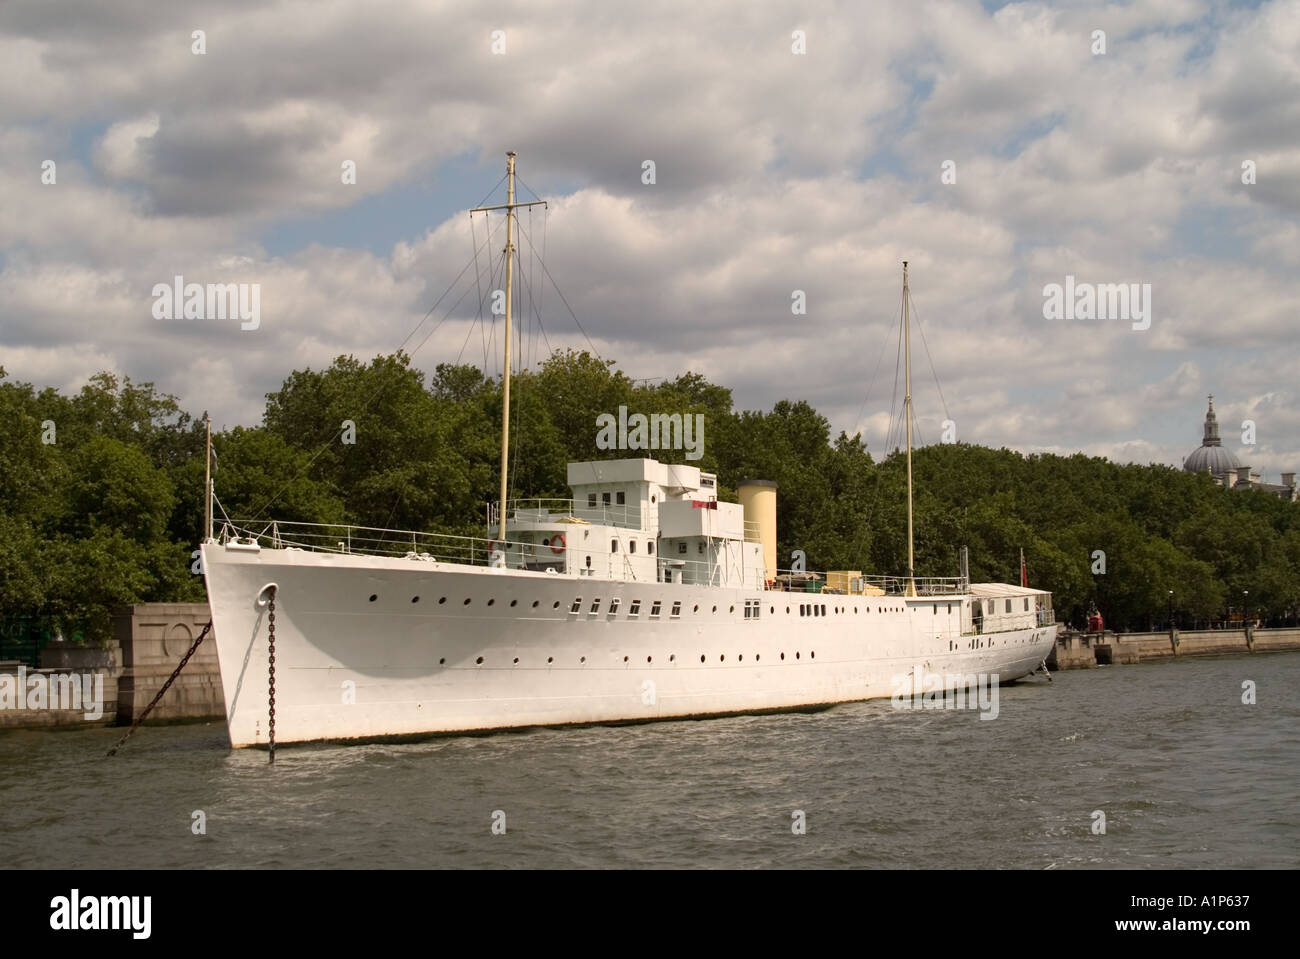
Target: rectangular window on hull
613,605
654,610
631,546
577,605
595,606
677,610
635,608
620,498
1008,606
604,499
591,500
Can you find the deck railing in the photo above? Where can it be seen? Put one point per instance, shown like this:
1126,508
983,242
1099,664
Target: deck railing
375,541
802,581
627,516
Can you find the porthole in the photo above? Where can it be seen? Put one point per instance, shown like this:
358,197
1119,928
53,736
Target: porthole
555,605
492,602
373,597
535,602
715,609
466,603
514,602
772,610
479,661
443,661
516,660
672,658
701,657
757,657
796,655
722,657
550,659
696,609
783,655
733,609
443,600
582,659
740,658
649,659
787,610
625,659
812,655
415,599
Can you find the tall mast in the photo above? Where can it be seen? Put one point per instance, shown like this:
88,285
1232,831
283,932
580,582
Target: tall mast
510,207
207,477
907,412
505,401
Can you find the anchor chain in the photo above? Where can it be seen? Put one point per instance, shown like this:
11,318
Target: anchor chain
270,666
165,686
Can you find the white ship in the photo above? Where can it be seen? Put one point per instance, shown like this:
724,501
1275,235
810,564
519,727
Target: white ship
642,598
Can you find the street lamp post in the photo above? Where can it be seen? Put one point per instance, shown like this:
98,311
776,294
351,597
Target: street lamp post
1245,604
1171,610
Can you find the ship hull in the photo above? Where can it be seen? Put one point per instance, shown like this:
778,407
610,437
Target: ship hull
445,648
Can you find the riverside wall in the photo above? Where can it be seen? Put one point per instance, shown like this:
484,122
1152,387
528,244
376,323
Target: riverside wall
149,641
1078,650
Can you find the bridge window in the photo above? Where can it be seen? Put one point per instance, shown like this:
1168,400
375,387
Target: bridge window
613,546
650,547
631,546
604,499
681,548
591,500
620,498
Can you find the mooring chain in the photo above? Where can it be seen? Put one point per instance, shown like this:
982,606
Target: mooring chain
270,661
165,686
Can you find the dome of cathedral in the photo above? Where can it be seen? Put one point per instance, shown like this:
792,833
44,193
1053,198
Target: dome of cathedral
1211,455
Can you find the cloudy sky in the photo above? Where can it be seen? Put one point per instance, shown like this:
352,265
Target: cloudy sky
774,171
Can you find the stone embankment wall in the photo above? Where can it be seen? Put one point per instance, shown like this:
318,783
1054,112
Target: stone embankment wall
1075,650
148,643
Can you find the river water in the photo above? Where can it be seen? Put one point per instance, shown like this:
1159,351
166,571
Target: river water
1186,775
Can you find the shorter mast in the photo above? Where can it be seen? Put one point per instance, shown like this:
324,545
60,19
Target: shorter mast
907,412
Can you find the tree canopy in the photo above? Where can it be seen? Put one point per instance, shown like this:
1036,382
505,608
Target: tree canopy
101,492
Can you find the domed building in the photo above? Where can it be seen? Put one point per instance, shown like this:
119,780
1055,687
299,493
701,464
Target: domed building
1211,457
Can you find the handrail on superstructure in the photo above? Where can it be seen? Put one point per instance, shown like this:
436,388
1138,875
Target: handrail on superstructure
807,581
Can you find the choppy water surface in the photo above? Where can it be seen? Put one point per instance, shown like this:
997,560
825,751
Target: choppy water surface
1186,775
